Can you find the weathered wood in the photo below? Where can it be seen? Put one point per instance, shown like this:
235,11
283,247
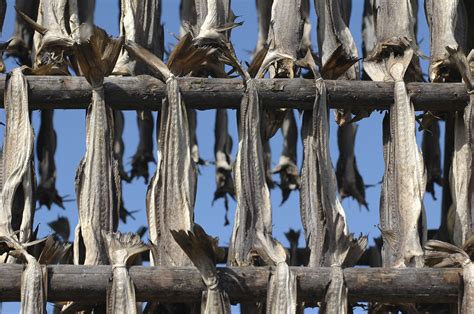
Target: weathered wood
62,92
68,282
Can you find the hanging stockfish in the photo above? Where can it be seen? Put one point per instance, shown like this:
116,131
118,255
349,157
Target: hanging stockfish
34,276
404,183
322,214
447,23
293,237
369,38
97,179
61,228
431,150
251,242
21,44
17,199
287,168
172,190
121,249
222,151
339,61
203,251
281,294
141,22
442,254
461,176
284,47
49,59
253,213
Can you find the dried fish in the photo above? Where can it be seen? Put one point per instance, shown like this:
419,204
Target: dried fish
61,228
203,251
287,168
253,213
369,39
461,173
349,180
404,182
47,193
172,190
17,199
222,151
97,178
322,214
442,254
21,44
336,44
293,237
432,157
281,294
446,20
121,248
141,23
33,278
264,13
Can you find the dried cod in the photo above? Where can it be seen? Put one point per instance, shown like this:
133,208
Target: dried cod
121,249
339,61
141,23
442,254
322,214
349,180
17,203
287,168
222,151
253,213
172,190
98,186
446,20
203,251
34,276
431,150
461,173
21,44
61,228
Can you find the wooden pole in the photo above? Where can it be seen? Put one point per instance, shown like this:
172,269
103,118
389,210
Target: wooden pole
146,92
184,284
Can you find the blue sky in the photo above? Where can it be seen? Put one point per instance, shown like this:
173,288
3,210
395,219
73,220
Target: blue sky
70,126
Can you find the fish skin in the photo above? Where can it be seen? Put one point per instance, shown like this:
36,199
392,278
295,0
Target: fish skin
460,215
408,178
98,187
171,193
264,14
322,214
17,199
253,213
203,251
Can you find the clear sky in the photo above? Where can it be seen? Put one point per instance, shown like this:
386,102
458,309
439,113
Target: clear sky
70,126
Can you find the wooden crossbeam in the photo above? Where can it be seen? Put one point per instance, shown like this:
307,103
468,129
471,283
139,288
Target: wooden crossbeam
145,92
184,284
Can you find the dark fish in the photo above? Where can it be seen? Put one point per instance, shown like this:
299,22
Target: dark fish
287,168
431,150
61,228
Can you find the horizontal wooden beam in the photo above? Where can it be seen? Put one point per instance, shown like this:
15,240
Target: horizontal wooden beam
145,92
89,283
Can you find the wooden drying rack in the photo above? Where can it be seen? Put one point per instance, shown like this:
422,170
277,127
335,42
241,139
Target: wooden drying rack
79,282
